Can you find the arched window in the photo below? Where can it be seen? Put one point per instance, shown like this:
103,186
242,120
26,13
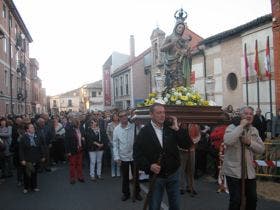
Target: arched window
232,81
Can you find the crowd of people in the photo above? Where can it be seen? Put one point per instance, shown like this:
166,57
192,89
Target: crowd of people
31,145
175,155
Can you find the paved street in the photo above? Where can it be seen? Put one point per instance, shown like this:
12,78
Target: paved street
57,194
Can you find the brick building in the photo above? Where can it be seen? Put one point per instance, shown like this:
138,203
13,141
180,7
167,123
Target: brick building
38,94
275,5
16,85
220,59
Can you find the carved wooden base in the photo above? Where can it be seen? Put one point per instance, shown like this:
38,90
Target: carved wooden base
207,115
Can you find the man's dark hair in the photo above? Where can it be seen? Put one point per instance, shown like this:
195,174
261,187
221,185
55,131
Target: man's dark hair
26,126
153,106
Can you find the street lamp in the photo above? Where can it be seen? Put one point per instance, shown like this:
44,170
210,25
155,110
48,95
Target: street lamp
210,87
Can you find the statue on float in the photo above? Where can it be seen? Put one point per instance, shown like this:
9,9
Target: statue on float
177,54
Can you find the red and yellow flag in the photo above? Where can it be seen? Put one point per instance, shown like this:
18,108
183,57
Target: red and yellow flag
256,63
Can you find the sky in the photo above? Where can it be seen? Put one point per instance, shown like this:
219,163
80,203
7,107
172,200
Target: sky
73,39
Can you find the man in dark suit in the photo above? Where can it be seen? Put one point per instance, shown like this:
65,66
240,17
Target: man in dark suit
259,122
156,152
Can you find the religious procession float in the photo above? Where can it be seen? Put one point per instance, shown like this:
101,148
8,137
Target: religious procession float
172,83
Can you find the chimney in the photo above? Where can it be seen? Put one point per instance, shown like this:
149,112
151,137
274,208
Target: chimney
132,47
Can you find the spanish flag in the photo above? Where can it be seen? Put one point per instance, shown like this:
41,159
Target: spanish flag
267,65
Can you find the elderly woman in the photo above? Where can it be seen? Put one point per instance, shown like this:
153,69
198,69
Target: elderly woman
31,152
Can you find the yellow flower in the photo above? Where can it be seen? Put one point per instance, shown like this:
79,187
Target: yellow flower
193,97
184,98
190,103
205,103
152,95
173,98
180,89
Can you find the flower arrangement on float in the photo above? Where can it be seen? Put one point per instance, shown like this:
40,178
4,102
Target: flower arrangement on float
181,95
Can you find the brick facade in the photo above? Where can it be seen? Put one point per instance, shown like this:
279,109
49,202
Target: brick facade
275,4
14,50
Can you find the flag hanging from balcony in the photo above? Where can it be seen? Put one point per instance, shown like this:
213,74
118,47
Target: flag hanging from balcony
246,63
267,65
256,63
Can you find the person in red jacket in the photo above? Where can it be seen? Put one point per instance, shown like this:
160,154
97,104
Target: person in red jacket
74,150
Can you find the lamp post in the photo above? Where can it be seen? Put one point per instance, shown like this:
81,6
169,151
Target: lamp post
210,87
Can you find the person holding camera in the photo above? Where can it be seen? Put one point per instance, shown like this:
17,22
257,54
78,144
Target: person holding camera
156,152
242,141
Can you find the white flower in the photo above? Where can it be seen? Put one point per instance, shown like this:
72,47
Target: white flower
178,102
176,94
167,95
160,101
212,103
166,99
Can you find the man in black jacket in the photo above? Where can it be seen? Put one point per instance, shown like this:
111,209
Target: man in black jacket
156,152
259,123
31,153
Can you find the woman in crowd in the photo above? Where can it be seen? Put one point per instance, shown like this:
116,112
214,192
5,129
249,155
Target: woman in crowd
17,132
30,154
95,145
6,136
115,168
74,150
58,144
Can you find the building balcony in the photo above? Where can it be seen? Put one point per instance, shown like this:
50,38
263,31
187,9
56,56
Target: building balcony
21,68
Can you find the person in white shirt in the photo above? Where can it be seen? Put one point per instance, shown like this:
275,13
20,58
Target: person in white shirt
123,140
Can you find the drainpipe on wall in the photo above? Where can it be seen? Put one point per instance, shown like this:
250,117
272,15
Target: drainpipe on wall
10,66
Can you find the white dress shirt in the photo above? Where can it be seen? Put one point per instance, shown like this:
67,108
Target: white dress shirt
159,132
